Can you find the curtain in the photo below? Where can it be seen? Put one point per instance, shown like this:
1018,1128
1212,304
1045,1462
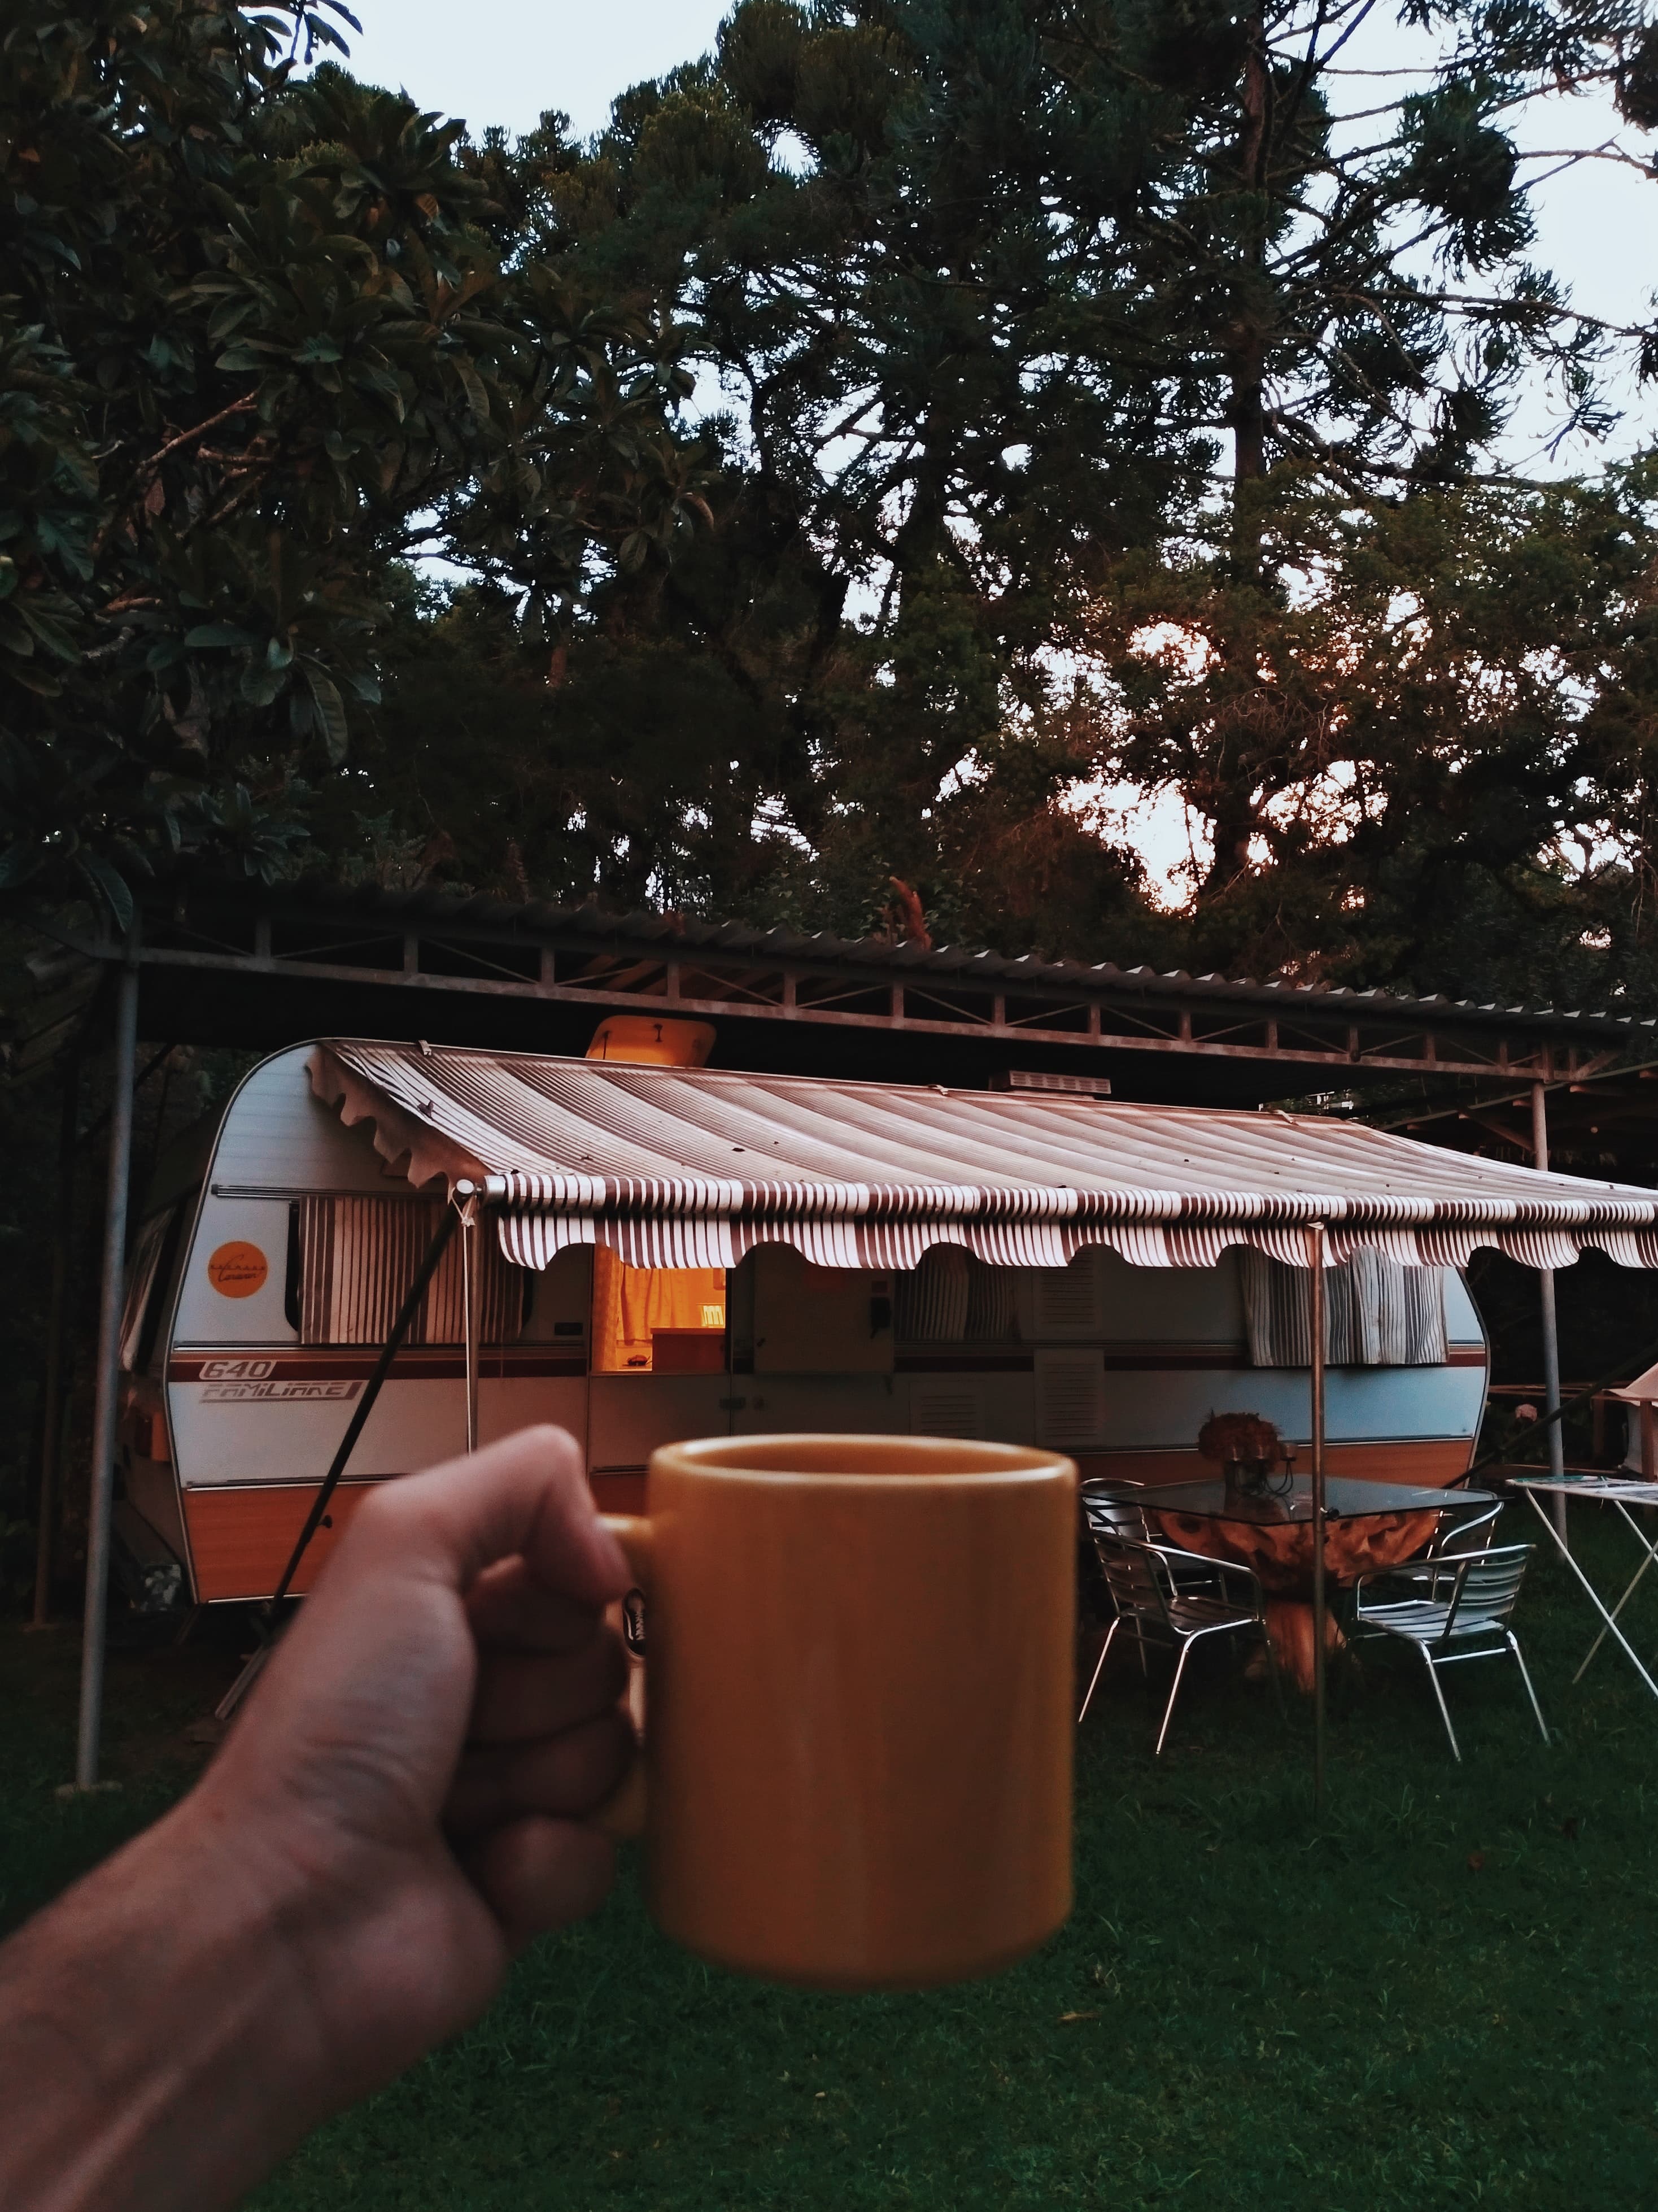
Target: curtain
142,1272
631,1304
952,1298
357,1257
1378,1313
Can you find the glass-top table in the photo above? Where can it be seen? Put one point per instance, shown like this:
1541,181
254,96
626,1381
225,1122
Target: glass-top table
1368,1526
1345,1498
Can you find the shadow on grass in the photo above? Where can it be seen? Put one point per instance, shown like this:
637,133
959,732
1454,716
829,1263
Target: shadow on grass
1441,1993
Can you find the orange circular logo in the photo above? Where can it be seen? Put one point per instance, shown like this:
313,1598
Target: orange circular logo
236,1271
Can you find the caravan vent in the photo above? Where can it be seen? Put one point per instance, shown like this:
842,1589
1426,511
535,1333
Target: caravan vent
1032,1078
954,1408
1071,1401
1068,1297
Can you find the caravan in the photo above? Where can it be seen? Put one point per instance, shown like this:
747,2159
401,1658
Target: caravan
860,1283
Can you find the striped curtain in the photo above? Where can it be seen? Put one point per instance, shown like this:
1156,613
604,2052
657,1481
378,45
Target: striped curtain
1377,1313
358,1256
952,1298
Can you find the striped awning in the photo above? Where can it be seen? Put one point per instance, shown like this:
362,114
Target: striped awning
694,1167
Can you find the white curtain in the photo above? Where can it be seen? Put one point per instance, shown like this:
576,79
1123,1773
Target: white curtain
952,1298
358,1256
1377,1313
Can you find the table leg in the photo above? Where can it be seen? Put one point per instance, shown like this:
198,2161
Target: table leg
1289,1626
1651,1551
1592,1594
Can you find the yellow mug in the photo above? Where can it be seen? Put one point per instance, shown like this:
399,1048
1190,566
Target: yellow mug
858,1680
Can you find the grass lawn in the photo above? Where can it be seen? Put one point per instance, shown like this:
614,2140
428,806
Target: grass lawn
1445,1993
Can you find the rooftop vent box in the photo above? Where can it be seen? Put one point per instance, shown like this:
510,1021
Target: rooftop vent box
1033,1079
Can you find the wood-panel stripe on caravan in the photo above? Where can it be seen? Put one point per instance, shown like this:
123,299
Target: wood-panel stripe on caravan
241,1537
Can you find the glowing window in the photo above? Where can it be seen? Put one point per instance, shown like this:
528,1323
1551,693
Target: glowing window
656,1319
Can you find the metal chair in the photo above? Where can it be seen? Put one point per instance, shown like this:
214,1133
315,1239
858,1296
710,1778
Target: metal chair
1454,1536
1213,1597
1456,1608
1455,1533
1110,1510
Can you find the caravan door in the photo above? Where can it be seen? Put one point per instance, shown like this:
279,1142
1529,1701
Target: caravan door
813,1347
660,1369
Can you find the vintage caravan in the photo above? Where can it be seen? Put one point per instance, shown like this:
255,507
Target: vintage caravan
669,1250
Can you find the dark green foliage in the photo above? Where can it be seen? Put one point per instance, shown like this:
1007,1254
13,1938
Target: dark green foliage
1097,407
1051,333
232,391
1457,677
259,337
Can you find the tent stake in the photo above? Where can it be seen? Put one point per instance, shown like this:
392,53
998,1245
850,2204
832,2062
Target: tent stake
1540,1137
110,1299
1315,1233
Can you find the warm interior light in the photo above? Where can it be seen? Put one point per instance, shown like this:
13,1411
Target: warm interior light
631,1305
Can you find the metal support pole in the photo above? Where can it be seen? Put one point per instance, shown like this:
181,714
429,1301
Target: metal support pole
1540,1133
111,1298
52,1426
1315,1239
471,1281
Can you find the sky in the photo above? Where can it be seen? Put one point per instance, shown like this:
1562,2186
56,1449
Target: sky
505,61
514,59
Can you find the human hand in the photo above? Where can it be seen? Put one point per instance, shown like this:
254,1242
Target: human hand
397,1810
419,1753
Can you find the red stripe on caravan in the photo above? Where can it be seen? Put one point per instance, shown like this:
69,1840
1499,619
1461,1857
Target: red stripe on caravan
246,1364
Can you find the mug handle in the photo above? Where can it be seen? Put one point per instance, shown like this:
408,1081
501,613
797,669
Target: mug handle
622,1817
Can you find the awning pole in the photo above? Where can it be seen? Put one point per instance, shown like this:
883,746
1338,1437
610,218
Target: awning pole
1540,1137
51,1423
359,1421
270,1625
471,1278
110,1299
1316,1265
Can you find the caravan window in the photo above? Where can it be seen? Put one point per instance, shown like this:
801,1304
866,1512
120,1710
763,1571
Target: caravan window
951,1297
147,1282
656,1319
1378,1313
352,1259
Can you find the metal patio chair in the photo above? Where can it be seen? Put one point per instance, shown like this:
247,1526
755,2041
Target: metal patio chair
1460,1533
1110,1510
1213,1597
1455,1536
1456,1608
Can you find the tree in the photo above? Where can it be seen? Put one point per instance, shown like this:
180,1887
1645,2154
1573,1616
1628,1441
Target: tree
936,443
259,340
1347,301
1050,325
1464,700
